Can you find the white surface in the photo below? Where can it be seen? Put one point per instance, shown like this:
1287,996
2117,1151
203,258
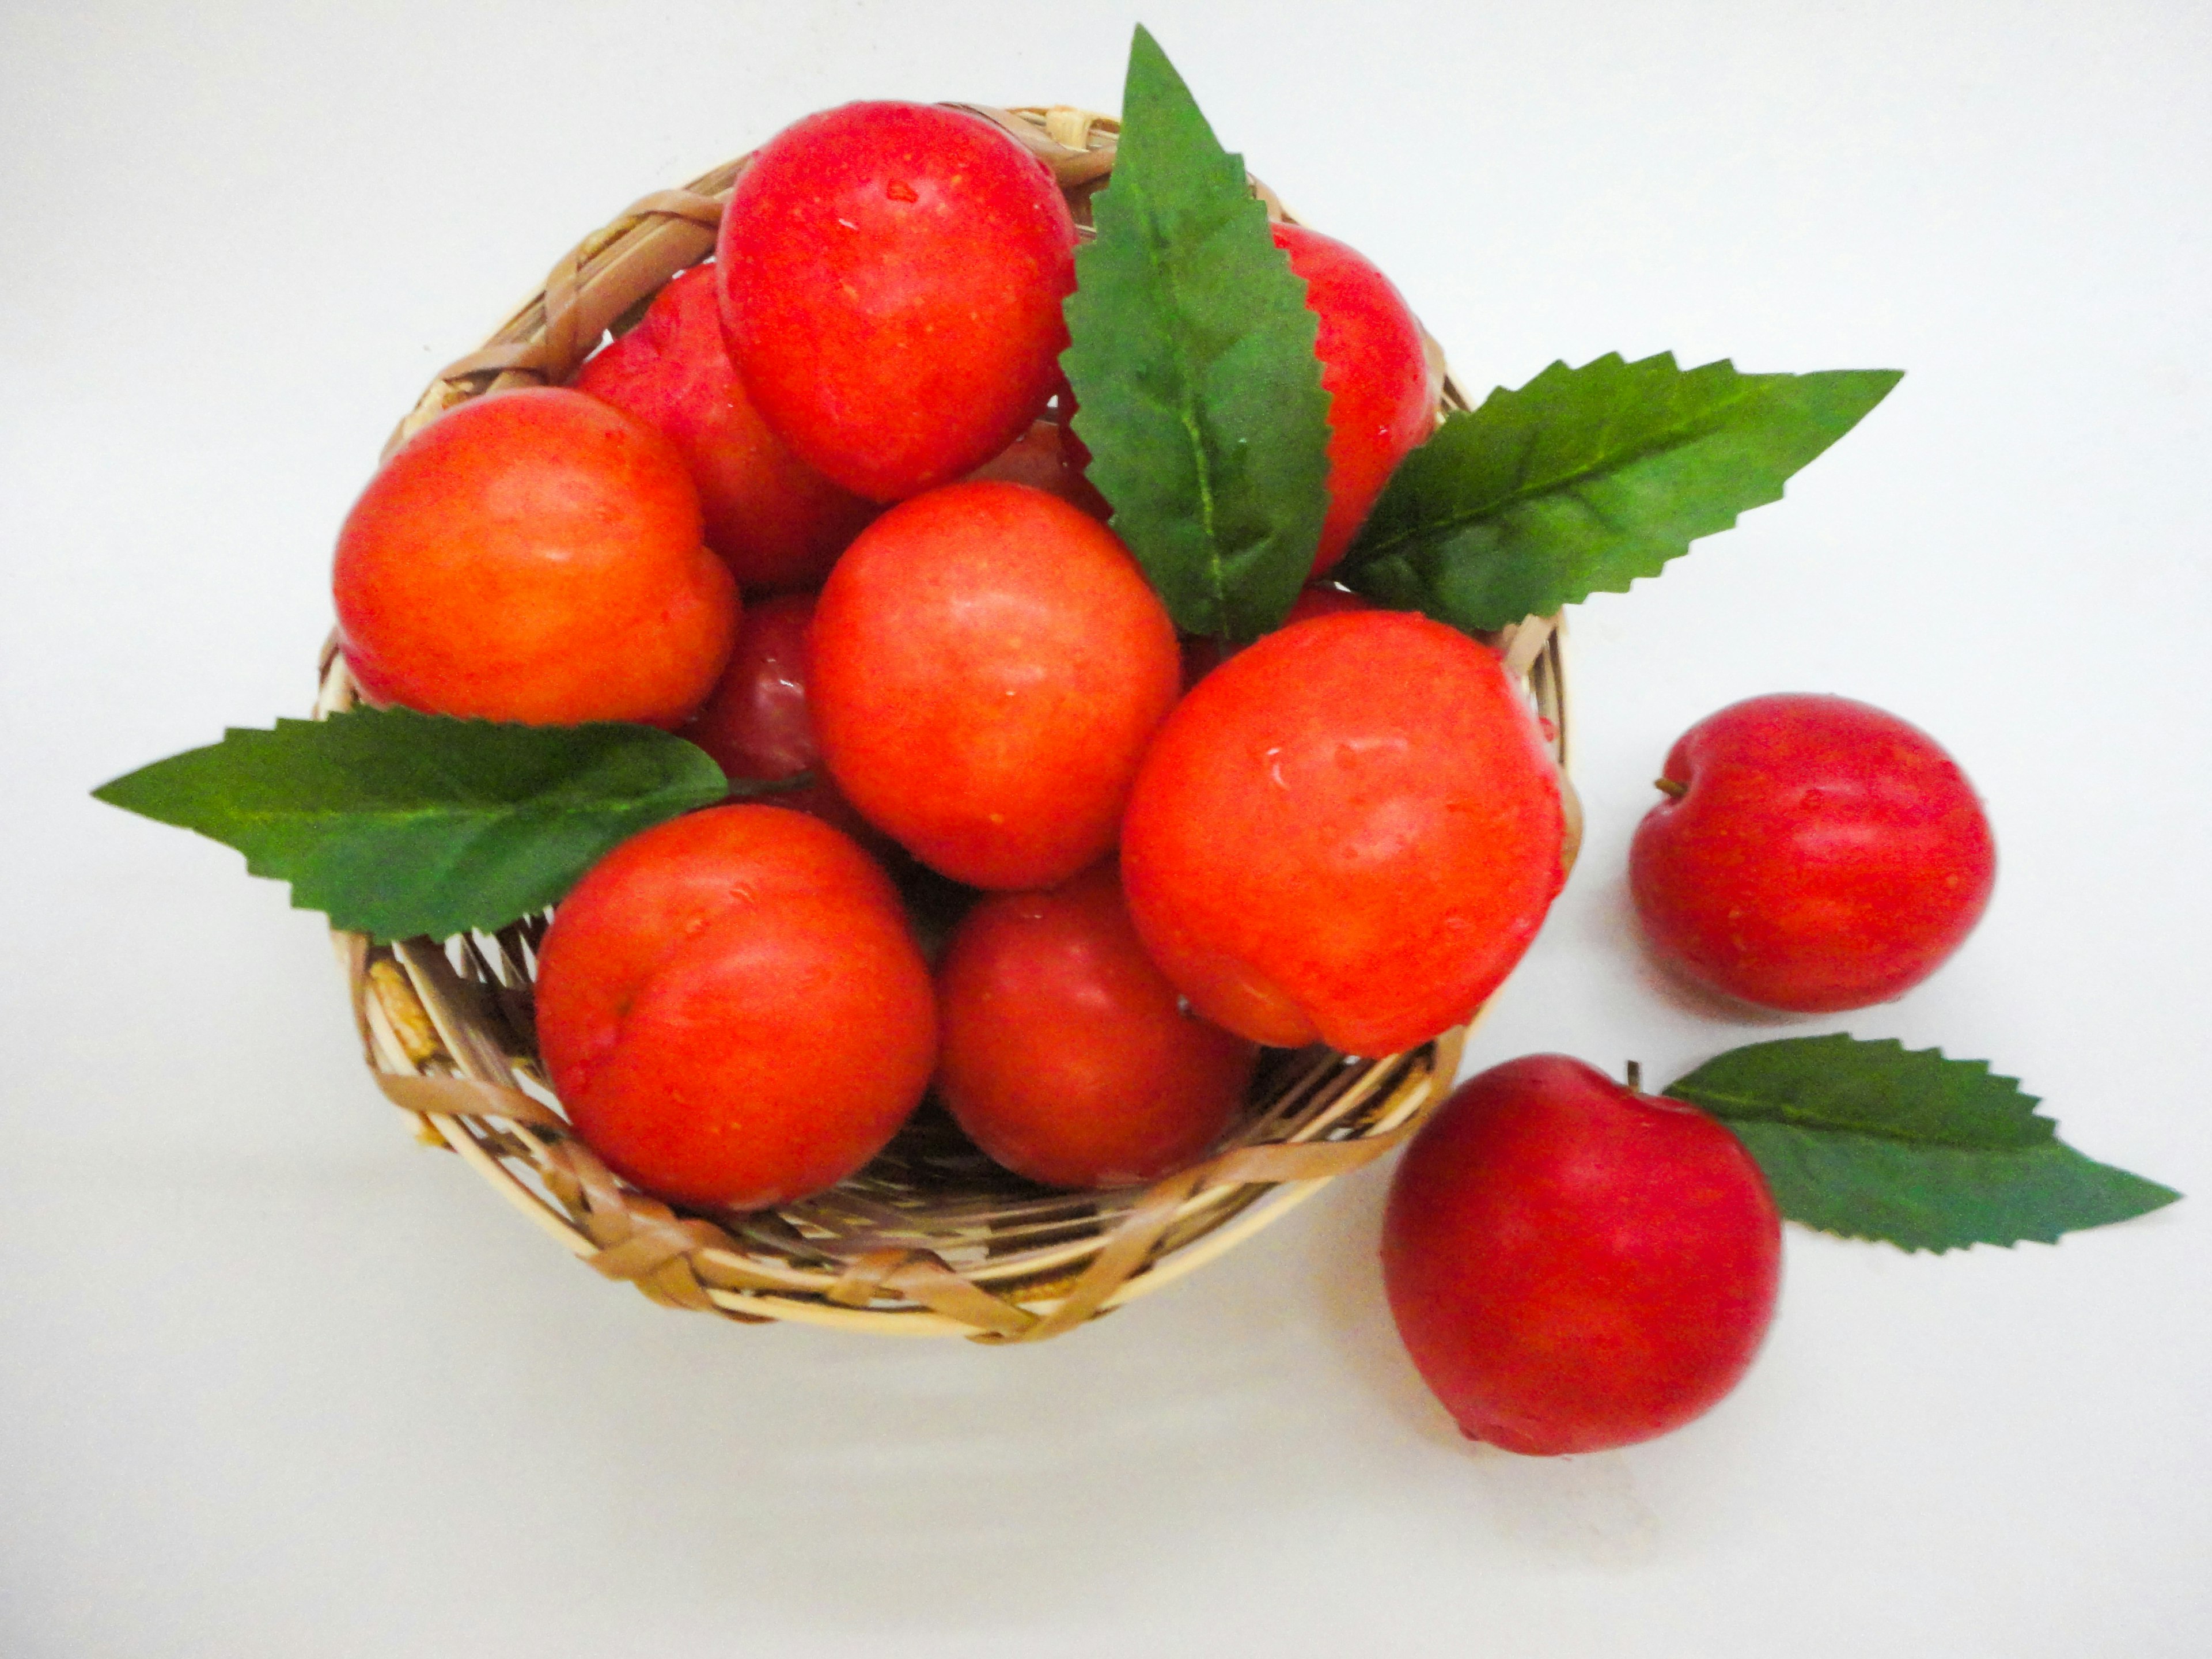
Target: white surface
273,1381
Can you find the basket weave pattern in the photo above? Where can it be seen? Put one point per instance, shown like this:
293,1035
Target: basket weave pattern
930,1238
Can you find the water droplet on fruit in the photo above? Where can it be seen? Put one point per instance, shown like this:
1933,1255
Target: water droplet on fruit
899,191
1274,759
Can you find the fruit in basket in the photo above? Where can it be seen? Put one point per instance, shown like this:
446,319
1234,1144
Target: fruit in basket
987,667
1574,1266
534,555
756,722
1383,389
1065,1055
1813,853
778,524
1201,655
892,276
1349,831
732,1009
1048,457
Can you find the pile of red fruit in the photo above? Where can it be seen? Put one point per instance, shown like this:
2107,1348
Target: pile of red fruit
820,512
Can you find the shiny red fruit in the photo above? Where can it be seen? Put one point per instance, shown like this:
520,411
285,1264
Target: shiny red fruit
892,276
1348,832
1815,855
1064,1053
778,524
534,555
756,722
1382,389
987,665
734,1010
1575,1267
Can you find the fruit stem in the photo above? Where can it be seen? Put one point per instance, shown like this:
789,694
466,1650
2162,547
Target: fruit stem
1668,786
1636,1077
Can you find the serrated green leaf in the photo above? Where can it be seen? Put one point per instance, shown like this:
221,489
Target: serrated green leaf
1192,360
1870,1139
1587,478
1923,1197
397,823
1874,1086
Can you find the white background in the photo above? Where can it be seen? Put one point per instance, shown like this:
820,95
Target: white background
275,1381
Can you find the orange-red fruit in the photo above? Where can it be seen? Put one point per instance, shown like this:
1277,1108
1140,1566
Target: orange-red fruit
1348,831
534,555
1574,1266
1064,1053
988,664
776,523
891,282
1382,390
732,1009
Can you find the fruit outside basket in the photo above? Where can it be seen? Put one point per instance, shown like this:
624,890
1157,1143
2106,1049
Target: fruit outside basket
930,1238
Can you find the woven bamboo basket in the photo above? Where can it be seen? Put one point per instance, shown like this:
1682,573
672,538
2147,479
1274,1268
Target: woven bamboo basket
930,1238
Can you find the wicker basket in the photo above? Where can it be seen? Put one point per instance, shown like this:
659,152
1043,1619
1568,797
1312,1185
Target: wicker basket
930,1238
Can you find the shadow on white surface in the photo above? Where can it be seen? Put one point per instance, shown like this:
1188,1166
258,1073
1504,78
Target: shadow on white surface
1584,1510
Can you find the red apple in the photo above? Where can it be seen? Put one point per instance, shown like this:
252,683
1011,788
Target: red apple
1574,1266
1813,855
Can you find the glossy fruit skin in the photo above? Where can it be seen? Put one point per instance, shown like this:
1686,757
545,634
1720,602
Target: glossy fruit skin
1823,855
778,524
534,555
988,665
1348,831
892,276
732,1009
1065,1055
1573,1267
1382,389
756,722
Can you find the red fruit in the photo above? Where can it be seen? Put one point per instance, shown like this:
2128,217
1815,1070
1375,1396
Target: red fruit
1065,1055
891,282
774,521
1574,1266
989,664
1201,655
732,1010
1815,855
534,555
1045,458
757,724
1349,830
1383,389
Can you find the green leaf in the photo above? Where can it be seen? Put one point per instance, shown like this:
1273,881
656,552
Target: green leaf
1872,1140
1587,478
1191,360
397,824
1873,1087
